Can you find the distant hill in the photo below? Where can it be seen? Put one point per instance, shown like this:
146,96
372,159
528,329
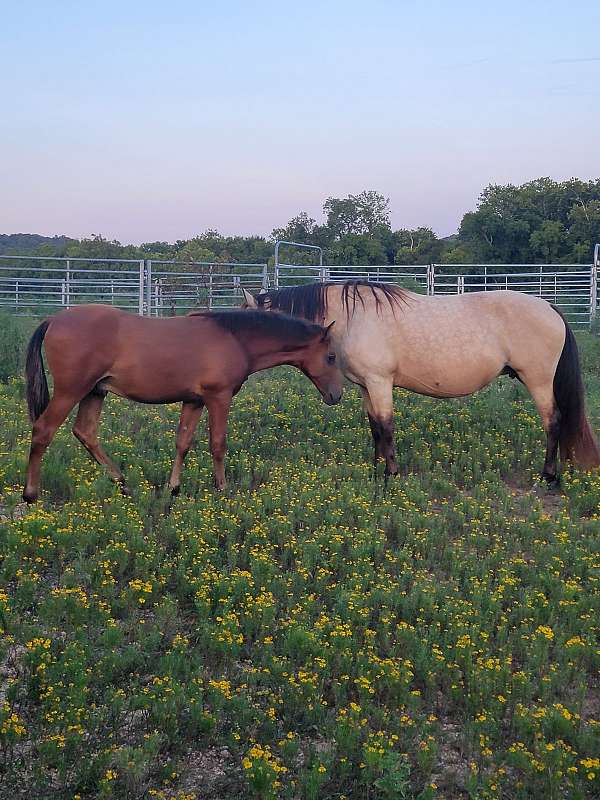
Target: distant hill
28,243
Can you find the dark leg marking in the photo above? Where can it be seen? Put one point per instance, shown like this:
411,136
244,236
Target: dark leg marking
377,438
549,473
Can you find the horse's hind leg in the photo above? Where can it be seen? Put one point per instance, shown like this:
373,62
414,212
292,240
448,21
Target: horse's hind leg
543,396
85,430
42,434
190,414
379,401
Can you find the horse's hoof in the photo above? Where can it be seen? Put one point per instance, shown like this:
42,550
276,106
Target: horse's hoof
125,490
175,490
548,482
552,482
30,497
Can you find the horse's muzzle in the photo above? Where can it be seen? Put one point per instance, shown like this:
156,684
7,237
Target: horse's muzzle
331,398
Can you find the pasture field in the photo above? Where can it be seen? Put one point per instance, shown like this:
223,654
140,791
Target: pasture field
307,633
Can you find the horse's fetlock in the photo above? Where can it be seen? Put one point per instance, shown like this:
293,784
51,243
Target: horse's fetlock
30,496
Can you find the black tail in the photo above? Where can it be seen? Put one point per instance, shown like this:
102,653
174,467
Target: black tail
576,438
38,396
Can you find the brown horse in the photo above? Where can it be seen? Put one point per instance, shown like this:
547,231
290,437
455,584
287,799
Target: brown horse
449,346
199,360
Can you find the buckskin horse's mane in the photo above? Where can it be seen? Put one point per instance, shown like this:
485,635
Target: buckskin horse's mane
310,300
248,322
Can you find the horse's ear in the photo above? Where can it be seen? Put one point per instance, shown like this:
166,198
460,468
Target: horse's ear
263,291
327,330
249,300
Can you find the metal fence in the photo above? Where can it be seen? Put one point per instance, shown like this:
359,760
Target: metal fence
174,288
37,285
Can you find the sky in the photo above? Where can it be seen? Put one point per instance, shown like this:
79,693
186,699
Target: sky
154,121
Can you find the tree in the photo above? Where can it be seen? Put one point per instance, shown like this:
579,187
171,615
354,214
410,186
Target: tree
360,214
541,220
548,240
299,229
584,229
420,246
195,250
99,248
357,248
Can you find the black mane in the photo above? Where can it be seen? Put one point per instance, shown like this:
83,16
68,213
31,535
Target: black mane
281,326
309,301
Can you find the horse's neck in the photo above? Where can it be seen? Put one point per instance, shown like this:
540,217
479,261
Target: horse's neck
335,311
266,353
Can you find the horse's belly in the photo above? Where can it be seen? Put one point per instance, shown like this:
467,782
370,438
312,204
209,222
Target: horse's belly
445,380
149,392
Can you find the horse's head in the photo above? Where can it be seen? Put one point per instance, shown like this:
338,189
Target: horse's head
318,361
259,302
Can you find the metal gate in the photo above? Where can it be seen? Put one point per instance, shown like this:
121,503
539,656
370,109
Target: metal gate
37,285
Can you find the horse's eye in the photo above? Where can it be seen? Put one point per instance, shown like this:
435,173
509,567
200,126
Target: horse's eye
331,358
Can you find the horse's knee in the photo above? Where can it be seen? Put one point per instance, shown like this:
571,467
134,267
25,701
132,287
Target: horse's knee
218,448
41,436
182,449
79,434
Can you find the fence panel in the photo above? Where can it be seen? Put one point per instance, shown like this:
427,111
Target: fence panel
176,288
415,276
567,286
36,285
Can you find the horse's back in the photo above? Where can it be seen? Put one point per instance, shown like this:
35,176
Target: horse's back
455,344
146,359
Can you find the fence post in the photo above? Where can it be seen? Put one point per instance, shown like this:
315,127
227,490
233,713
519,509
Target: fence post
141,289
148,272
265,277
430,279
68,284
594,283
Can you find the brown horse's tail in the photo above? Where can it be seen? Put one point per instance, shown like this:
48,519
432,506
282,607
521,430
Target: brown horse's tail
576,438
38,396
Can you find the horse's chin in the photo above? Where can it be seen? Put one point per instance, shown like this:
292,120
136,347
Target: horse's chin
332,400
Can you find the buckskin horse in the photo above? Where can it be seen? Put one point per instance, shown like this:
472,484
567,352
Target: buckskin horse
449,346
199,360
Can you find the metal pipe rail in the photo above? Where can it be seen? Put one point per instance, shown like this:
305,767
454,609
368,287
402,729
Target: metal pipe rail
202,285
28,285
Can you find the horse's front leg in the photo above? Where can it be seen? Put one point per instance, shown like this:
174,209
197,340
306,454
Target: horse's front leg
375,428
218,406
379,402
188,421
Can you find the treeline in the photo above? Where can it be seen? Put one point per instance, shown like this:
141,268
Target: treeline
540,221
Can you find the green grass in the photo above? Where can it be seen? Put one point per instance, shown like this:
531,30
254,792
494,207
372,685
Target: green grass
307,633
